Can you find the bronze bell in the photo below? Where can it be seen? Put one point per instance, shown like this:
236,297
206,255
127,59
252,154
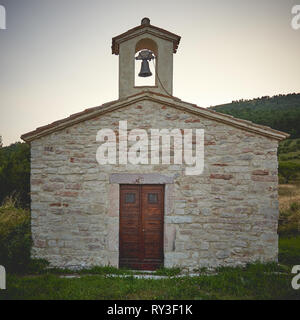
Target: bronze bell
145,70
145,55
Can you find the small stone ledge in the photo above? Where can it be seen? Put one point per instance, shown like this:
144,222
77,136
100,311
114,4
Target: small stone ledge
143,178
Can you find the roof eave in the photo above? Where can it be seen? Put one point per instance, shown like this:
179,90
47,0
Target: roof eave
122,37
170,101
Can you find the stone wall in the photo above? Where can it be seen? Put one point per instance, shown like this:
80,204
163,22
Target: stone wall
225,216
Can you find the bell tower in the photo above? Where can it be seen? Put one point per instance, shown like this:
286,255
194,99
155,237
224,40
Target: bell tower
154,42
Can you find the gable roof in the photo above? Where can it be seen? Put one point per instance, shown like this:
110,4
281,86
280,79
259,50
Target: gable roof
159,98
145,28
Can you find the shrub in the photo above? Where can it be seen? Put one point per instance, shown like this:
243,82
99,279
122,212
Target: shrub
295,206
15,173
288,142
281,179
15,237
288,170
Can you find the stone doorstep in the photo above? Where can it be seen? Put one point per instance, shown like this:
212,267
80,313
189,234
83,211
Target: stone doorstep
139,276
155,277
150,276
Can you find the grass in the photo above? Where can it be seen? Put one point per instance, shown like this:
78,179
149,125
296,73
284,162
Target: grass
167,272
289,207
40,267
288,194
106,270
256,281
289,250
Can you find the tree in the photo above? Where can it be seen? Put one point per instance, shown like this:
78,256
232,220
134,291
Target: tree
281,112
288,170
15,173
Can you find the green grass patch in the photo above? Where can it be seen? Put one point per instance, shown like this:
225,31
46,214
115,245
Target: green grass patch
289,250
256,281
170,272
98,270
33,279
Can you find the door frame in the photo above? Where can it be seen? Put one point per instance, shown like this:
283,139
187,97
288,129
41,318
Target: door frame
141,219
113,214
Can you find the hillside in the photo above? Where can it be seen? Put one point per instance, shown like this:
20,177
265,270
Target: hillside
281,112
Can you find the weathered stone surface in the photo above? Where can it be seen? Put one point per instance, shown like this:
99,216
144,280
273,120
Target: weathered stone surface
170,236
221,176
225,216
129,178
179,219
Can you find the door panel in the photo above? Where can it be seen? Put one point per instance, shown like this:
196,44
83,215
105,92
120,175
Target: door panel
141,226
152,205
130,223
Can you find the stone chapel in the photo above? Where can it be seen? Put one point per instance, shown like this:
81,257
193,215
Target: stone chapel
152,213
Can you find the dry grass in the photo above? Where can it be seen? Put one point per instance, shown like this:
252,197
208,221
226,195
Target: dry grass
288,194
289,207
10,216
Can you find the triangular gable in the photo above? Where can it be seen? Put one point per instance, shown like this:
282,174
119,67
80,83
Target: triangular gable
144,29
158,98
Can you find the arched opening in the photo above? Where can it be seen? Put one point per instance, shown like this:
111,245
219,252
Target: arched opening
145,44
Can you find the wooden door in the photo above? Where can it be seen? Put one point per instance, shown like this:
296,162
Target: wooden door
141,226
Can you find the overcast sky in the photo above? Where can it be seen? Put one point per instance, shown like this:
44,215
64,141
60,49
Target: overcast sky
55,55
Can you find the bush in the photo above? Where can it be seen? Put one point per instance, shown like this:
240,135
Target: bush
281,179
295,206
15,238
288,170
289,221
15,173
